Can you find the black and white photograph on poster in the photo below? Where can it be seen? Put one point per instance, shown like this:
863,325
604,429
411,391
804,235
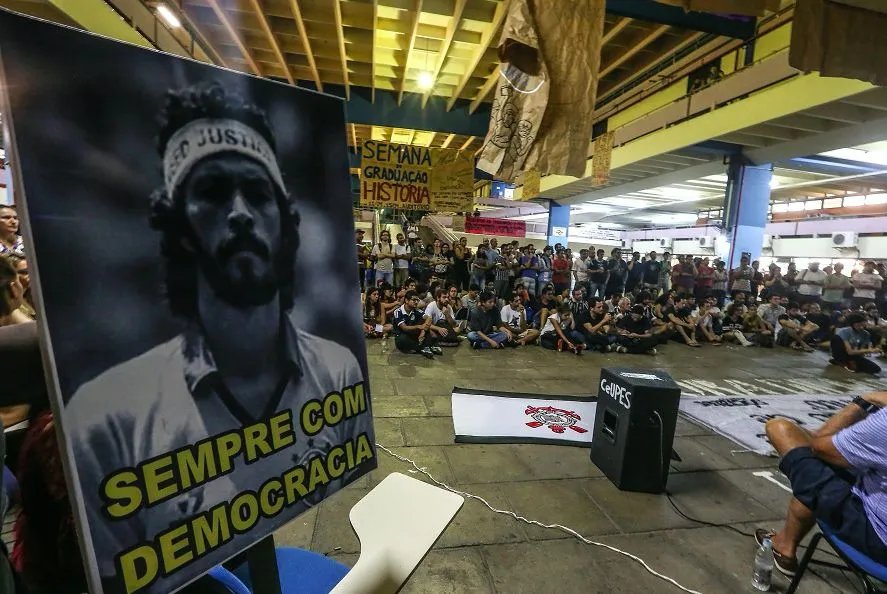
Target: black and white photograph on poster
195,297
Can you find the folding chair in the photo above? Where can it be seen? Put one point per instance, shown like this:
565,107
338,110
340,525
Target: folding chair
865,568
397,524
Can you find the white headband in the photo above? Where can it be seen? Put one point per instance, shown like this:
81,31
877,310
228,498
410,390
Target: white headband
202,138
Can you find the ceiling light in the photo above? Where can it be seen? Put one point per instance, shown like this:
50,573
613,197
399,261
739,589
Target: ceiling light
426,80
168,16
774,183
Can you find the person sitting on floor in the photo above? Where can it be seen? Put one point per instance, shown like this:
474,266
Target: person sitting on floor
595,326
635,333
851,344
411,329
560,334
793,329
514,315
443,327
486,330
838,476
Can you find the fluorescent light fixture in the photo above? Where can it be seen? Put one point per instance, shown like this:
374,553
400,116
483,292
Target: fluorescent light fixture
854,154
168,16
426,80
876,199
854,200
774,183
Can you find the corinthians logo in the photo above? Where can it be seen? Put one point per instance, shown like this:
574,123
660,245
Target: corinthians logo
557,420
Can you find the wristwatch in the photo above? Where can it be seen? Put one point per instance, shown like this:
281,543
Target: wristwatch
865,405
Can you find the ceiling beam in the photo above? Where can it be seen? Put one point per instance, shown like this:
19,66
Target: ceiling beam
410,45
373,53
354,137
485,90
467,142
340,34
652,64
182,13
445,46
628,54
412,136
485,40
235,37
306,43
615,30
446,143
275,47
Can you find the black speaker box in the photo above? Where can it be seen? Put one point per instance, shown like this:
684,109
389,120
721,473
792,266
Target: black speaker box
634,425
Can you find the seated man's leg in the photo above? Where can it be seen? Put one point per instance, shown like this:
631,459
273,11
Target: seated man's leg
406,343
498,337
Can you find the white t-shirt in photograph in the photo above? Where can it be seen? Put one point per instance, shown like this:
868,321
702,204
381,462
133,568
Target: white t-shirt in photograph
865,279
510,317
400,250
433,311
807,289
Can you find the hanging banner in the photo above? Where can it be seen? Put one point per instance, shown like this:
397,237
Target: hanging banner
416,177
532,179
600,161
211,401
501,227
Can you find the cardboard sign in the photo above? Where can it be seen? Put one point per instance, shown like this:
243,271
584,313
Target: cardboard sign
415,177
204,397
501,227
600,162
532,180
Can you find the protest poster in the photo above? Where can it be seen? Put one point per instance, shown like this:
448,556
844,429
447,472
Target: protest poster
205,394
601,159
501,227
415,177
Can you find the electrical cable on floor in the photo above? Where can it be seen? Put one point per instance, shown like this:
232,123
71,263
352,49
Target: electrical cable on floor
565,529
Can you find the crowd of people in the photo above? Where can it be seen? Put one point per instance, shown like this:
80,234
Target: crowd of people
513,296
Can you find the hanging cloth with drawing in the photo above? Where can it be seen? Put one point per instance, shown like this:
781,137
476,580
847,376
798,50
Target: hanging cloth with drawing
544,100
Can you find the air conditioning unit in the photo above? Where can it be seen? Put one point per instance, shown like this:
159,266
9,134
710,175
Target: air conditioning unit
849,239
768,242
665,242
706,242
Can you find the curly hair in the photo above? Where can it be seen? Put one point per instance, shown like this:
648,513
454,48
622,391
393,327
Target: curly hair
209,100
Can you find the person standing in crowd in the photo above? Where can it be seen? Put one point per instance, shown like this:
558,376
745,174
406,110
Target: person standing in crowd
683,275
480,264
705,279
545,268
411,329
503,270
21,267
635,273
486,330
791,274
560,275
719,284
461,256
741,277
438,262
651,269
362,255
529,270
865,284
665,273
774,284
617,271
402,256
12,293
580,270
597,275
10,240
810,283
757,279
383,255
833,290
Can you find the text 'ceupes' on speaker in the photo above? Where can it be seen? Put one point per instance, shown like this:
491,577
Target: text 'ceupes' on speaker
634,425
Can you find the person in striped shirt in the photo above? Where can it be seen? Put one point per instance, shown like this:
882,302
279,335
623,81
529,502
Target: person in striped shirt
838,476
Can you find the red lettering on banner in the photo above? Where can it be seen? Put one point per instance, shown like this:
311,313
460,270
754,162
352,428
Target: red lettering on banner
383,193
503,227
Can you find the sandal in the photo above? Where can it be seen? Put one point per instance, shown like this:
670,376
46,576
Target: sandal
787,566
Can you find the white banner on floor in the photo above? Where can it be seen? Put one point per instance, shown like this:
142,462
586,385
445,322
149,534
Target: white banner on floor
503,417
741,418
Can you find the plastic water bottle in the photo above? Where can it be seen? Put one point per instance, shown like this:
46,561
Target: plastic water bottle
386,346
763,567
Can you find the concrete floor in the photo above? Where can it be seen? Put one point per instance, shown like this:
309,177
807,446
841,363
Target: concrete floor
486,552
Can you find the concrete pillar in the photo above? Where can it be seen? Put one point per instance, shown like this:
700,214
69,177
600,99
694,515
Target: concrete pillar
748,196
558,223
